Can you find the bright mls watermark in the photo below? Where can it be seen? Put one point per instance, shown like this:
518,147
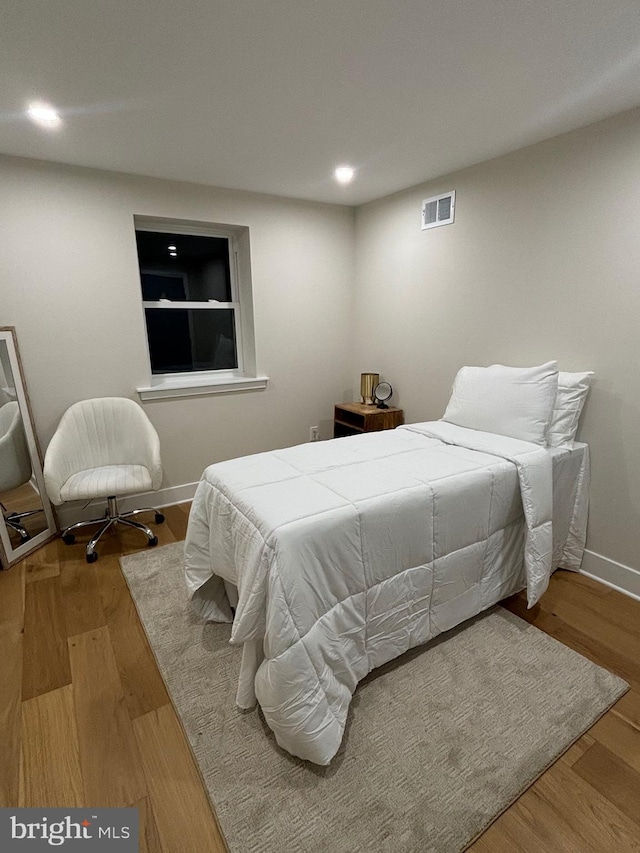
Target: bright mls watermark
86,830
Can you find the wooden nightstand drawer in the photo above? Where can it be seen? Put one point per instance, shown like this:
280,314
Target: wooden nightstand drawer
354,418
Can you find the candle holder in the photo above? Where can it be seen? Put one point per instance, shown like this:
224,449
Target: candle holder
368,382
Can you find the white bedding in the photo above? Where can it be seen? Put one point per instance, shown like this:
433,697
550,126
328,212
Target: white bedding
347,553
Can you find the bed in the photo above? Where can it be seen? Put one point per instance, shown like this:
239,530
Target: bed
332,558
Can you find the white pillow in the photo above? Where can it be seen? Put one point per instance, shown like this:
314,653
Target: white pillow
572,393
513,401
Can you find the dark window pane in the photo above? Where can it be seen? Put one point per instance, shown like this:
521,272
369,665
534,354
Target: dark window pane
156,286
185,339
201,264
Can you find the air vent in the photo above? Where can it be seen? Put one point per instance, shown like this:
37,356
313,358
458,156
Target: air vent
438,210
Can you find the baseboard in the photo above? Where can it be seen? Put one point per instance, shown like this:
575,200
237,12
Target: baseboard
77,511
616,575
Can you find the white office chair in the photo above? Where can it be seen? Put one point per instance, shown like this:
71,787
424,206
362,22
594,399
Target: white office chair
15,464
104,448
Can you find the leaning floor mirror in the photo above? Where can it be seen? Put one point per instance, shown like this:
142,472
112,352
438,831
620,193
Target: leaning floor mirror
26,518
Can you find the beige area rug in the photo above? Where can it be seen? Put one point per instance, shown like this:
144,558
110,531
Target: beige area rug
438,743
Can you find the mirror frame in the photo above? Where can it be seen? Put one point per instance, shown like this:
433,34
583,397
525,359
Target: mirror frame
8,554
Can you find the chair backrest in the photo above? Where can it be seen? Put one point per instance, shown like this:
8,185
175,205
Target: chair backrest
97,433
15,461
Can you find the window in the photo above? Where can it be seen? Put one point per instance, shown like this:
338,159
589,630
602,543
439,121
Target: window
197,309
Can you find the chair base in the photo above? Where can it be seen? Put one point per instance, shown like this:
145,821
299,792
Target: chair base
112,517
12,520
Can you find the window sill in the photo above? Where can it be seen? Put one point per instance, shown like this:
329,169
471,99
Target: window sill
191,387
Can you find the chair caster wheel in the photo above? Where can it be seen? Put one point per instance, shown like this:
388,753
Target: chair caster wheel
153,541
159,518
91,558
68,538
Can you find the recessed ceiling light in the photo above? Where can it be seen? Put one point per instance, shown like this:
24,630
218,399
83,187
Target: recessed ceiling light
173,254
171,248
344,174
43,114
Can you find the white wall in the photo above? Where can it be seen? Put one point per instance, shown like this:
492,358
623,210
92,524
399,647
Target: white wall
69,283
542,262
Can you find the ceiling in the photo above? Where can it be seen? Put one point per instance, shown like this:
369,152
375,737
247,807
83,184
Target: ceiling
272,95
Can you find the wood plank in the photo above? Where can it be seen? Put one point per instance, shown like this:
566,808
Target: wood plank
111,769
620,661
148,835
141,681
43,562
615,610
614,605
164,534
176,519
46,657
10,700
80,594
619,737
566,582
628,707
173,778
11,643
12,583
563,812
605,624
50,767
527,828
577,750
614,779
131,541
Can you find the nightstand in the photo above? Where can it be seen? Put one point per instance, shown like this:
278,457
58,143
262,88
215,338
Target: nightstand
354,418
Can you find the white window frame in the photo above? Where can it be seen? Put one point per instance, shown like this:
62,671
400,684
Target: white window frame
245,376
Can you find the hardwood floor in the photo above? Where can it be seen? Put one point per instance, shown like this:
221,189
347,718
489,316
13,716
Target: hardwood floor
85,718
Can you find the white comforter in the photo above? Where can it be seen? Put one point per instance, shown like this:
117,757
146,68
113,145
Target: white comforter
347,553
